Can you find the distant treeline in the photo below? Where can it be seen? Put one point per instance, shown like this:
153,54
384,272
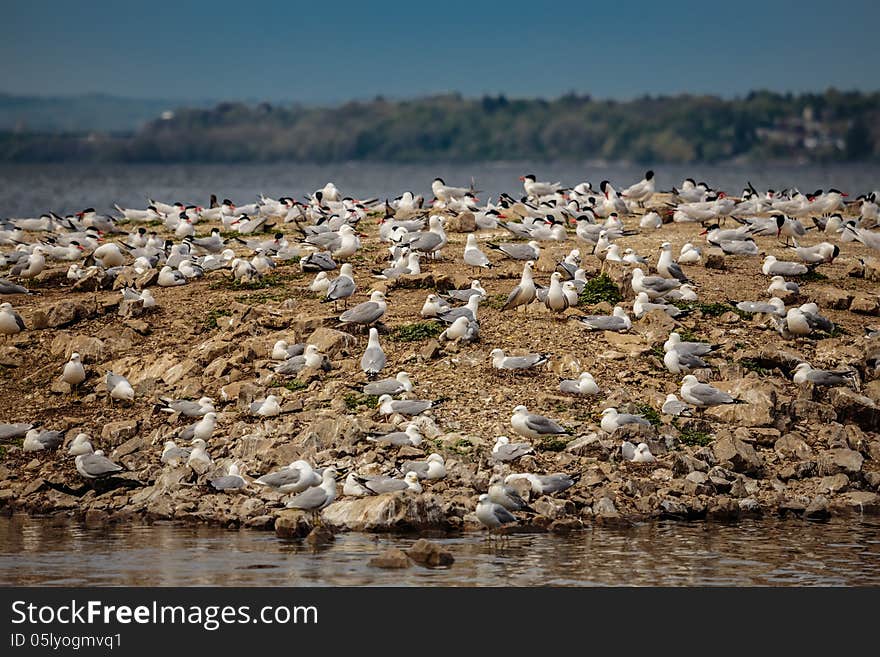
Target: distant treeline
831,126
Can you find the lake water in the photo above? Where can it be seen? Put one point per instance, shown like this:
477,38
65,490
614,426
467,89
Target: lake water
769,552
29,190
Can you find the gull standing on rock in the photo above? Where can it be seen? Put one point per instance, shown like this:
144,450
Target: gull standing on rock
524,293
342,287
232,480
804,373
545,484
201,430
373,360
319,497
533,426
187,407
74,373
473,257
368,312
506,496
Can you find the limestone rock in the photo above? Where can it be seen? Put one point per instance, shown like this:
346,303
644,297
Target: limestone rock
292,523
740,454
397,511
331,342
430,554
832,461
390,558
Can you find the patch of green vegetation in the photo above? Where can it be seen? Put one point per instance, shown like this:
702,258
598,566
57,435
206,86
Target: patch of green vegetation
275,279
553,443
709,309
753,365
837,331
295,385
688,336
462,446
416,332
813,275
215,314
355,400
600,288
689,436
650,414
495,301
657,350
263,297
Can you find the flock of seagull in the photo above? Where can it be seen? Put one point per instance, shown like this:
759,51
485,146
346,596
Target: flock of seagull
322,234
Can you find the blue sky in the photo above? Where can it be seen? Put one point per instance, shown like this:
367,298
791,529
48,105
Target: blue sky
331,51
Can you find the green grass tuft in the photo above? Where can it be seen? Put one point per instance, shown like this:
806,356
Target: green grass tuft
416,332
553,443
753,365
813,275
354,400
694,437
650,414
600,288
215,314
295,386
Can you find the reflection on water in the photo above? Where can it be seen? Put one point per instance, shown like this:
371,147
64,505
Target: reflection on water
31,189
39,551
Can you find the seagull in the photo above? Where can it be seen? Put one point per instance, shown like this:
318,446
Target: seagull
533,426
173,455
667,267
556,301
169,277
201,430
779,284
232,480
677,362
434,306
342,287
703,395
11,322
806,319
74,373
469,311
493,515
527,362
281,350
642,306
411,407
373,360
583,385
654,286
517,251
199,460
80,445
400,383
504,450
612,420
804,373
524,293
544,484
642,191
465,293
187,407
118,387
36,440
774,267
473,256
7,287
267,407
506,496
689,255
410,436
295,478
674,341
432,468
94,465
380,485
318,497
618,321
368,312
353,488
651,220
775,306
643,454
320,284
462,330
674,407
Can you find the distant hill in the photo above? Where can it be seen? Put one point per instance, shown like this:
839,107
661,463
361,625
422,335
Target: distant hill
80,114
817,127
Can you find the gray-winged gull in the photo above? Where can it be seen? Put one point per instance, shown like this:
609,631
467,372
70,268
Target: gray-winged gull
267,407
506,496
400,383
524,293
545,484
774,267
504,450
74,373
368,312
804,373
118,387
411,407
317,497
232,480
199,460
36,440
585,384
379,485
373,360
532,425
493,515
295,478
703,395
342,287
618,321
173,455
527,362
653,286
94,465
674,406
674,341
432,468
11,322
410,436
462,330
201,430
188,407
612,420
677,362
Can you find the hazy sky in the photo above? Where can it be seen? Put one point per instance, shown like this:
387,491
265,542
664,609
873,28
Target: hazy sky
331,51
